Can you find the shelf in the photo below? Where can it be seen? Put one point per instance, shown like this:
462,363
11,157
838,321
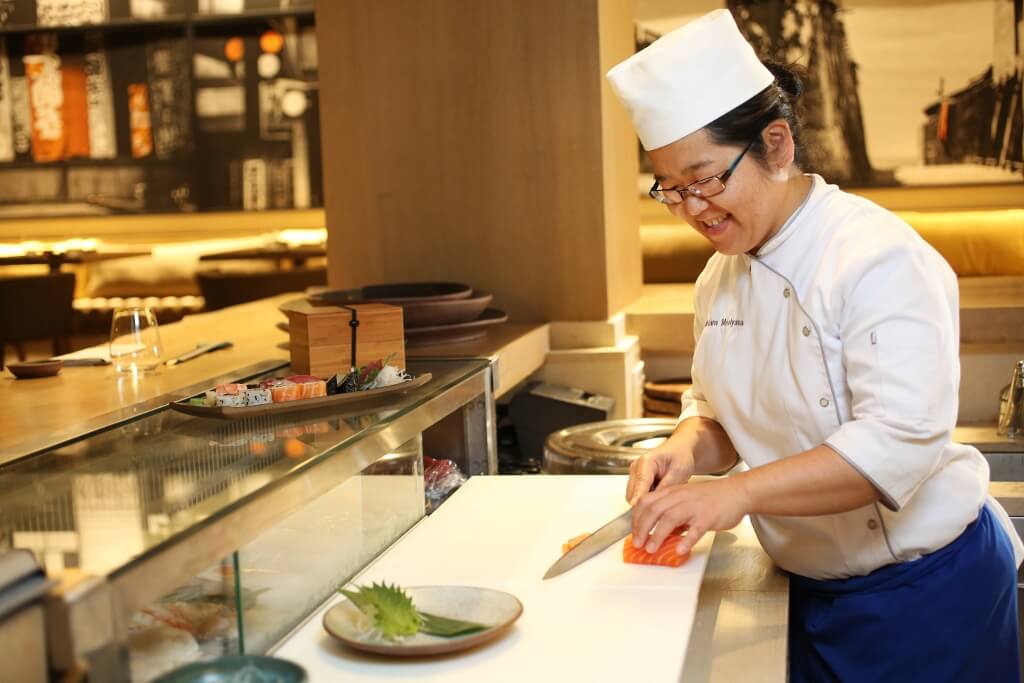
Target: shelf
171,21
251,15
85,163
212,178
110,25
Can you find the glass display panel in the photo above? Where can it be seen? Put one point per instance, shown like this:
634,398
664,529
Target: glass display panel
251,599
106,501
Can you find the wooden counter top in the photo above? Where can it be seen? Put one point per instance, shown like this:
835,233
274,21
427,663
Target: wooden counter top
41,412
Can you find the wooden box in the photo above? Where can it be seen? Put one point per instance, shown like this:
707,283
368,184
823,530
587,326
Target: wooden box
321,336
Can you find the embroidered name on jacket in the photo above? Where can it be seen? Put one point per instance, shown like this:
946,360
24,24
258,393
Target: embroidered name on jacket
724,322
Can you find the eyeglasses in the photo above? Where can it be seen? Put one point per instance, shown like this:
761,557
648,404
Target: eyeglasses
708,187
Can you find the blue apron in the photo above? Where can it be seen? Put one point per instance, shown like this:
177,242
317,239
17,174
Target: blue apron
948,616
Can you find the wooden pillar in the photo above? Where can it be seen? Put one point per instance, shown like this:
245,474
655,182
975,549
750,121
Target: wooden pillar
478,141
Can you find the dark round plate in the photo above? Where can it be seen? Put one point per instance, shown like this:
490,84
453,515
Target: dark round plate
657,405
237,668
667,389
455,332
35,368
445,311
397,293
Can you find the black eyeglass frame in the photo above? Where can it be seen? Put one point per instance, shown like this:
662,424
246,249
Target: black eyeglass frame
721,177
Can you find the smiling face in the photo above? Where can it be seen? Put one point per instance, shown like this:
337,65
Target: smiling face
756,200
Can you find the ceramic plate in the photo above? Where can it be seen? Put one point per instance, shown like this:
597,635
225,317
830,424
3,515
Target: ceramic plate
445,312
457,332
497,609
667,389
395,293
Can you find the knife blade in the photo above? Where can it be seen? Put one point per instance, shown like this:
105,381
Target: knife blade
613,531
198,351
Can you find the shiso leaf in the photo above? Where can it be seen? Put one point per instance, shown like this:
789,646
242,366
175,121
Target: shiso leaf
389,607
446,627
394,615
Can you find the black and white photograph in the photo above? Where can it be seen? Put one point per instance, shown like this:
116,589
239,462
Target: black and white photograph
911,92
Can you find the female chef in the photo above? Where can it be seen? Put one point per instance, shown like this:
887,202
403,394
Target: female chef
826,360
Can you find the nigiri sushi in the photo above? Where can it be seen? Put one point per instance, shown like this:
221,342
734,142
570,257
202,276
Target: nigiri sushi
314,389
300,379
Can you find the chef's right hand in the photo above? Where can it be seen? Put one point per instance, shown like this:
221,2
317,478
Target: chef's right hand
666,465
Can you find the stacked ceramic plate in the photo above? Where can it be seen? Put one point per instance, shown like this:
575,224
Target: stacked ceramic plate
434,312
663,398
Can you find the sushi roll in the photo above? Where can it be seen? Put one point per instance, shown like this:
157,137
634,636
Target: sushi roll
257,396
231,400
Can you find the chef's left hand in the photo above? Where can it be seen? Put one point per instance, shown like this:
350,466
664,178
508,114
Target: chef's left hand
699,507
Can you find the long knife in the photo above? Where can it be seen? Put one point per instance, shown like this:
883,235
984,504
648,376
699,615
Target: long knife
613,531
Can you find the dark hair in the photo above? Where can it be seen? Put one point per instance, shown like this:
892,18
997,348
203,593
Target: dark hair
744,123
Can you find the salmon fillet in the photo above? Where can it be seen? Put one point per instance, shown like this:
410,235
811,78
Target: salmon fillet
665,556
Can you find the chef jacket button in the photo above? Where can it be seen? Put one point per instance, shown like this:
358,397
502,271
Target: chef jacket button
823,403
872,524
785,292
806,331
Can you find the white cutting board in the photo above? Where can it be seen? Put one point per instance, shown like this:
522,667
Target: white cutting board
602,621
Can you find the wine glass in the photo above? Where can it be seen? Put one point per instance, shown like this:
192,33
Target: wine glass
134,340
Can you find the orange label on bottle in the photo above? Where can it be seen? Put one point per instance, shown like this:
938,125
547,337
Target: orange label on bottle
46,101
76,109
139,121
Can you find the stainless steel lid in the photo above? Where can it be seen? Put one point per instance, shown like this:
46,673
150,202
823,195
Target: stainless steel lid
604,447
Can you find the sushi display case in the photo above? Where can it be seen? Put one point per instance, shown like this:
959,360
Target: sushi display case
175,538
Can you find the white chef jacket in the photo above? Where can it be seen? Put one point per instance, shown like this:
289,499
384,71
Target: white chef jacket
843,330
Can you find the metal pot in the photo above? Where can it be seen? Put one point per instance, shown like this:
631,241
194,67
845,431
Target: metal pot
604,447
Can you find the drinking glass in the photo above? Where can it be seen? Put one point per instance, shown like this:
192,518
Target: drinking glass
134,340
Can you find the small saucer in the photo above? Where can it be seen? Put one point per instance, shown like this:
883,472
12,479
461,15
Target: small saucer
35,368
497,609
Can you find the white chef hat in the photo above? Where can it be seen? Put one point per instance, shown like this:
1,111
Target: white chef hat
688,78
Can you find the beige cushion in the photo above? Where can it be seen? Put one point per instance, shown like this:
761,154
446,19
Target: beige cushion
975,243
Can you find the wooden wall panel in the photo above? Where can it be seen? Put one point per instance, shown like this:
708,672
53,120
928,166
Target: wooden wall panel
466,140
623,259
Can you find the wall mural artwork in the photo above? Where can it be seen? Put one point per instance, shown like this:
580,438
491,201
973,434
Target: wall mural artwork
898,92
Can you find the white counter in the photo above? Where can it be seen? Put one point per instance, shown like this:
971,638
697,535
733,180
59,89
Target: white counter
604,620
